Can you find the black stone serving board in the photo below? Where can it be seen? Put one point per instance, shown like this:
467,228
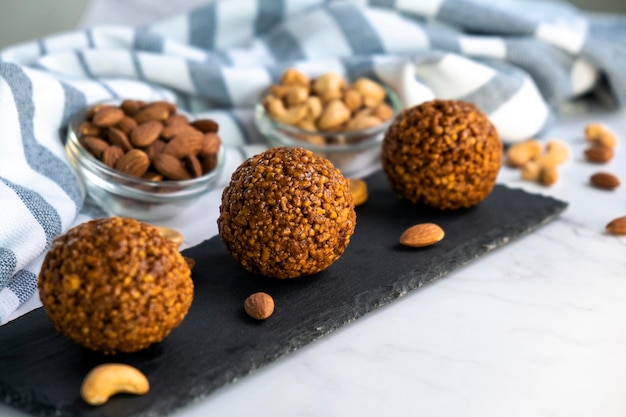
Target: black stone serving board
41,371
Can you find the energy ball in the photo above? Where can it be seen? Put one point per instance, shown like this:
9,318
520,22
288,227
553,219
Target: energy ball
286,213
115,285
444,154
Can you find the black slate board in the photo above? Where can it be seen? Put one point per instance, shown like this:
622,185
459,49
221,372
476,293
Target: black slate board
41,371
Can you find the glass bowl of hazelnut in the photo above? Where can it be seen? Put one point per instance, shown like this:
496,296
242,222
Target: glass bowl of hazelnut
343,122
144,160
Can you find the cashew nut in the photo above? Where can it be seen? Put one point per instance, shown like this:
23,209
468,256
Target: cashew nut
173,235
334,115
370,90
105,380
328,84
292,76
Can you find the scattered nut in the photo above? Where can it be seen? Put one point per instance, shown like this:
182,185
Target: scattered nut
599,154
556,153
604,180
600,135
106,380
617,226
523,152
548,175
173,235
144,131
535,163
358,188
423,234
190,261
259,305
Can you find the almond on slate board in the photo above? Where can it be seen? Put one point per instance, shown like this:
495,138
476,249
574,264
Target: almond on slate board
423,234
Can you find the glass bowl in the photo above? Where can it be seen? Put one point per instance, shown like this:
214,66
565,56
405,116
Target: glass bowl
351,152
127,196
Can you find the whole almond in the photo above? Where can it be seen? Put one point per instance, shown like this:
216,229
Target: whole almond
423,234
119,138
617,226
94,145
209,162
134,163
599,154
146,133
176,129
170,166
95,109
130,107
187,143
126,125
152,176
205,125
155,148
88,129
383,111
259,305
171,107
107,117
210,143
193,165
177,119
158,112
604,180
112,155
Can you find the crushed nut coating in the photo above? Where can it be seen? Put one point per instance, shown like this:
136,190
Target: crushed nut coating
443,153
286,213
115,285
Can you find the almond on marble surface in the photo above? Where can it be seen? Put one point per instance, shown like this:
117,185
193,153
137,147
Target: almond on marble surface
599,154
604,180
617,226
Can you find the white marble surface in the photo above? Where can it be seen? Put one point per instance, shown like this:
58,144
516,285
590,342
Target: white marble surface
536,328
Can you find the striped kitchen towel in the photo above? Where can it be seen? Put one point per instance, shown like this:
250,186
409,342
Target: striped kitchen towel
517,60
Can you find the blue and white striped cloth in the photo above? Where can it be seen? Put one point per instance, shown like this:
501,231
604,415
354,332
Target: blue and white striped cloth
516,60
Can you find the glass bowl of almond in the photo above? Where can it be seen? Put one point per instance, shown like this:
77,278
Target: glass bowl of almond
342,121
145,160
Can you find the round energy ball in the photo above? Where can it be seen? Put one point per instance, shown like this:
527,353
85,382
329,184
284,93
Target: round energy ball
444,154
115,285
286,213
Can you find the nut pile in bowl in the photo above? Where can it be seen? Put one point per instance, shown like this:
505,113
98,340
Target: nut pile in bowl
144,160
341,121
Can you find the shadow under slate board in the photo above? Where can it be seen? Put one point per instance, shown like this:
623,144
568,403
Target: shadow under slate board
41,371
